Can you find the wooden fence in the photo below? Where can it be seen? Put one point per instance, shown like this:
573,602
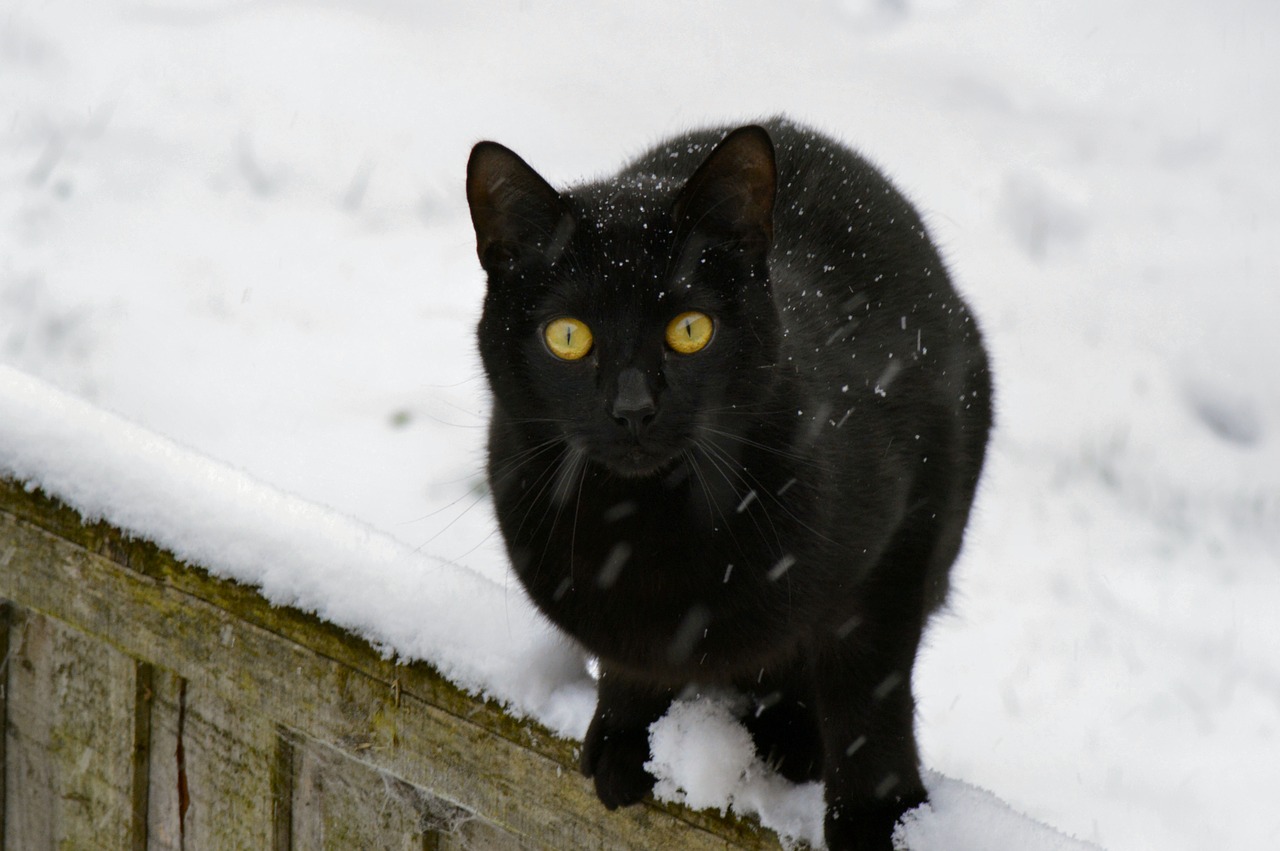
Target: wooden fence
148,705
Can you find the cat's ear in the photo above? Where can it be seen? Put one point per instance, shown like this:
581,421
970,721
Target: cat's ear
517,215
731,194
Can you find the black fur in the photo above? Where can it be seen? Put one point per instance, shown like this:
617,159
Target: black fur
778,511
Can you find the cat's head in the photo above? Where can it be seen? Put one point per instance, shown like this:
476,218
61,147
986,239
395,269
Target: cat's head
631,318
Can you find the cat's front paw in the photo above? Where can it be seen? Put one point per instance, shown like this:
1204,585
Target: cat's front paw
615,760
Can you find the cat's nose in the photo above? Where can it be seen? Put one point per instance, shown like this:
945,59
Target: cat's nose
634,406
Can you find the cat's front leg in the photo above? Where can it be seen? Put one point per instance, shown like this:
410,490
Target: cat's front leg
617,743
871,762
784,722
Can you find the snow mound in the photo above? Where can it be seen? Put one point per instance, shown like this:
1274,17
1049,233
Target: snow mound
704,758
961,817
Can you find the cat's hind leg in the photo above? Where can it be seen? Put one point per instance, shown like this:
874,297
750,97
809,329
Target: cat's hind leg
865,704
871,767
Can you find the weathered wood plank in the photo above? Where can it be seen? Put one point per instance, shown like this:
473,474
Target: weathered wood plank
336,806
6,620
210,771
69,753
282,792
307,676
339,804
140,781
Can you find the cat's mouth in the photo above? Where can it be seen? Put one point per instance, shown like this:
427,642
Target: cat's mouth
636,461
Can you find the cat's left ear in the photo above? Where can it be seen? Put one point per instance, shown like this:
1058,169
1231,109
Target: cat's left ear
731,194
517,215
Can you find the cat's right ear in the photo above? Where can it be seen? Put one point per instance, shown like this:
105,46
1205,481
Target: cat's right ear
518,216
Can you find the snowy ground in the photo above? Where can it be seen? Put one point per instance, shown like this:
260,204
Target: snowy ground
241,225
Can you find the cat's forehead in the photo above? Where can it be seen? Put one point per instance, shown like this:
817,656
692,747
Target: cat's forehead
622,205
624,262
622,232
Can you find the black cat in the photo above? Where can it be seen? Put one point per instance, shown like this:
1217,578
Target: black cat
739,413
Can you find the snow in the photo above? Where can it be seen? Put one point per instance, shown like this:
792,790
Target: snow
238,290
704,758
962,816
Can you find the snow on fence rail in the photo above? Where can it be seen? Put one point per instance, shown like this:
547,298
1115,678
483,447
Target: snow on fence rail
150,705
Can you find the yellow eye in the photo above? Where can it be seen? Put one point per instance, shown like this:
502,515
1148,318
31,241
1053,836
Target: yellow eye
567,338
689,332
